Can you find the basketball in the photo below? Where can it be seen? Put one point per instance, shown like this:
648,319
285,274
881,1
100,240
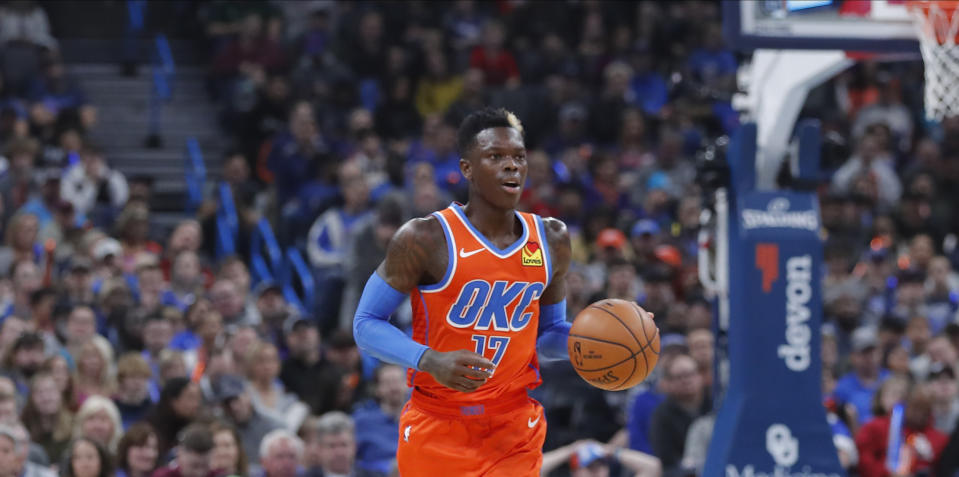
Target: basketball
613,344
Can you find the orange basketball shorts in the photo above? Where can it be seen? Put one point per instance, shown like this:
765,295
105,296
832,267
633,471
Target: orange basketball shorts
486,443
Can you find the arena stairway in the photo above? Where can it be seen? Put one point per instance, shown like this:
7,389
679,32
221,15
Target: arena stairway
91,36
123,126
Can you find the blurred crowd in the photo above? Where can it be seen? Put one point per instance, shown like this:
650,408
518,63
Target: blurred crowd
125,351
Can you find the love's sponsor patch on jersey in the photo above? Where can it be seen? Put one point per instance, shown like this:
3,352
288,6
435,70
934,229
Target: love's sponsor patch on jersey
532,255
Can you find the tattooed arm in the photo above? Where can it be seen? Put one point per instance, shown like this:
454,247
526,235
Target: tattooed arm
415,256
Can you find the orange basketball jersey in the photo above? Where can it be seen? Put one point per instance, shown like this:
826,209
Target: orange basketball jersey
487,302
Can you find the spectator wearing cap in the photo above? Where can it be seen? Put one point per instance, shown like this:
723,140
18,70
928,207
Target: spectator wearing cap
592,459
342,352
274,310
262,363
944,394
366,250
921,445
656,203
253,425
193,452
859,385
377,421
305,371
686,400
77,282
644,237
609,246
107,254
93,188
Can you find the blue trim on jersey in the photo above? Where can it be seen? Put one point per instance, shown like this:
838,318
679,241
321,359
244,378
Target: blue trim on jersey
451,256
501,253
541,230
534,368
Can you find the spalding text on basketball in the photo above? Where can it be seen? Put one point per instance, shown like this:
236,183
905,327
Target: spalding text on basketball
604,379
502,305
796,352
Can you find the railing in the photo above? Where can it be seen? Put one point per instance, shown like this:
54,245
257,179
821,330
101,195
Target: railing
266,257
296,269
227,224
289,270
136,20
164,71
195,175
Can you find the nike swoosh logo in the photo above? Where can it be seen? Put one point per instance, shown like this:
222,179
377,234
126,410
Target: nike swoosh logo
531,423
464,253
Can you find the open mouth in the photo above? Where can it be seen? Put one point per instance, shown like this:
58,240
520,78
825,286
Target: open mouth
511,186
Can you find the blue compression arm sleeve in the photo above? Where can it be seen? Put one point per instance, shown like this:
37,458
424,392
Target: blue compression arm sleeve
553,331
373,331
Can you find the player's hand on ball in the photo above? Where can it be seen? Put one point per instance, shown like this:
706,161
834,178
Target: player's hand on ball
460,370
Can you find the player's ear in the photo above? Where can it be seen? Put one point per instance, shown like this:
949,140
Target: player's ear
466,167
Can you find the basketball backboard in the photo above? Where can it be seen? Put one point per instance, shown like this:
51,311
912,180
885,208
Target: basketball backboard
851,25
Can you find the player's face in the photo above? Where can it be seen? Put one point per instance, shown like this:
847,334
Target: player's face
496,166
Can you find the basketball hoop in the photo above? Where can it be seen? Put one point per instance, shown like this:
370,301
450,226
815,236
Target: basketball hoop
937,27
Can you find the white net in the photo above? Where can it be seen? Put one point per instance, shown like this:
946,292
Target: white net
938,24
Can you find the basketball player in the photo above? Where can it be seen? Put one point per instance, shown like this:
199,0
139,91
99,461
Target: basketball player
488,290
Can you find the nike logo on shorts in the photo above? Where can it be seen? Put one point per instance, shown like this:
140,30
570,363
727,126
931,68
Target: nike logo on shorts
464,253
533,422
